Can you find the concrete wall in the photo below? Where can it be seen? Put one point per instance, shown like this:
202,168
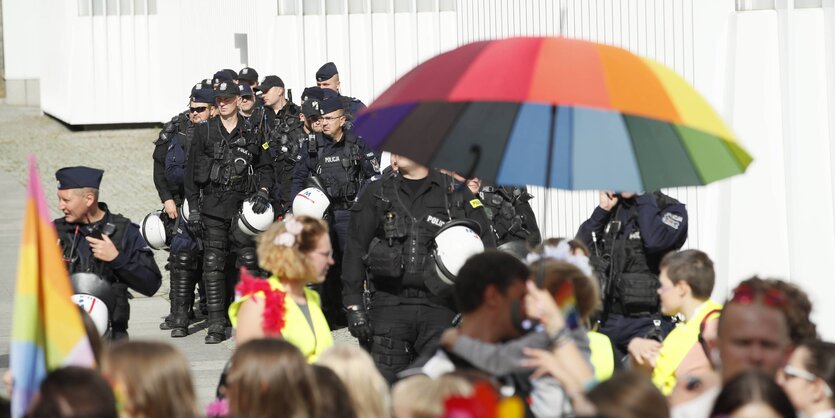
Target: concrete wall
21,51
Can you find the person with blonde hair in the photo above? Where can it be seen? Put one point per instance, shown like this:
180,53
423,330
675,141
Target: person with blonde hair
150,379
297,251
420,396
367,388
270,378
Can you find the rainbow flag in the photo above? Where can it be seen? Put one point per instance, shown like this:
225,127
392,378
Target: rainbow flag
568,304
47,329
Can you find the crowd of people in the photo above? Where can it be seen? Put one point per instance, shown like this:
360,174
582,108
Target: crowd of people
282,226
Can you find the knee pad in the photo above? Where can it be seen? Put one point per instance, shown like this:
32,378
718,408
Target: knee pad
184,260
247,257
214,260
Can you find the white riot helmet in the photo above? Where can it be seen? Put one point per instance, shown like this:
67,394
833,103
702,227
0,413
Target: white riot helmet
154,232
455,242
311,202
252,223
183,210
94,295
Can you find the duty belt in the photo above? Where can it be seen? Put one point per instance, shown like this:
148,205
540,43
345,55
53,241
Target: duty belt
237,184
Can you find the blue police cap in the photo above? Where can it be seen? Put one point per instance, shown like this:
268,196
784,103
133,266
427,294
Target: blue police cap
269,82
202,93
331,103
245,89
314,92
227,89
326,72
78,177
248,74
224,75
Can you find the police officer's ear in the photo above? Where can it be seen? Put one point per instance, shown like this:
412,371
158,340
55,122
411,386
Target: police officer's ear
90,196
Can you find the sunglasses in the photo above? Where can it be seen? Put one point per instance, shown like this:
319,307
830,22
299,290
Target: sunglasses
747,294
200,109
791,371
248,98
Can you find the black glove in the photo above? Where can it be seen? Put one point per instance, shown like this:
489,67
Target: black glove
359,324
195,224
260,201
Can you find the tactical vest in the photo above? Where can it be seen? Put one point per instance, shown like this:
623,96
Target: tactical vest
176,157
404,249
501,204
285,137
341,172
232,160
630,275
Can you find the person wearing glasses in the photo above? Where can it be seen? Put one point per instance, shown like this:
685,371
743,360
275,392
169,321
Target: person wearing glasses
297,252
809,379
342,163
226,165
170,155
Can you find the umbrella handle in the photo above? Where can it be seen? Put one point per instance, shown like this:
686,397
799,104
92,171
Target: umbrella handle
474,149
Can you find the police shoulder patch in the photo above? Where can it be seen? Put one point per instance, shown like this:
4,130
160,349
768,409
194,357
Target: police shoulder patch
475,203
265,145
672,220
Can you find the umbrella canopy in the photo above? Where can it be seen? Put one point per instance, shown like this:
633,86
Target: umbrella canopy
554,112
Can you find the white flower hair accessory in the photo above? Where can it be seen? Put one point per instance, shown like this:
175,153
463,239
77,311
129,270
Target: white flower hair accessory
562,252
292,229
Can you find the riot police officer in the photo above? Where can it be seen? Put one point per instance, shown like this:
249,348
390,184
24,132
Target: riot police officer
628,235
226,165
246,103
392,227
282,131
343,164
247,76
95,240
170,154
327,77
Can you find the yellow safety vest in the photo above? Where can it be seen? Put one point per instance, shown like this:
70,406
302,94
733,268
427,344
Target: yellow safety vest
297,331
676,346
602,356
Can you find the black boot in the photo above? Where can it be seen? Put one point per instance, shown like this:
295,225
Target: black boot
216,296
183,278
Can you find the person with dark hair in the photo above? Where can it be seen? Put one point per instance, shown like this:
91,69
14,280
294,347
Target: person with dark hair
753,394
628,234
628,394
74,392
809,379
687,279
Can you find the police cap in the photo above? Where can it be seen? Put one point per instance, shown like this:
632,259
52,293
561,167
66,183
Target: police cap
227,89
78,177
314,92
248,74
311,107
245,90
326,72
224,75
202,93
269,82
332,103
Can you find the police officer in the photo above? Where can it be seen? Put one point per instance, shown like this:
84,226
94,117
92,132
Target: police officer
246,103
282,131
311,114
327,77
170,154
343,164
247,76
392,227
225,75
95,240
628,235
226,165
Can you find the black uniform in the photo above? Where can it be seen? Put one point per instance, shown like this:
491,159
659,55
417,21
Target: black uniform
284,133
511,214
392,227
133,268
224,169
344,167
170,156
352,107
627,244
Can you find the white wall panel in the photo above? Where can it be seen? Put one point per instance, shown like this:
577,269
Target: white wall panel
22,30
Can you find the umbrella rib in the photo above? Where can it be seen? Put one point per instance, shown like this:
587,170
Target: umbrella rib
550,157
687,151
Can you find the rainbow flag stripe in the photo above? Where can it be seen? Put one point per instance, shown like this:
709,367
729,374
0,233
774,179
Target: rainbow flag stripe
568,304
47,329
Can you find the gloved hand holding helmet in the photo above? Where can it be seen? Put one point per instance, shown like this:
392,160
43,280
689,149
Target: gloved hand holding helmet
359,324
260,201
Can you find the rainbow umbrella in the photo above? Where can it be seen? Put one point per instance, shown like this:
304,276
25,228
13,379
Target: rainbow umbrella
554,112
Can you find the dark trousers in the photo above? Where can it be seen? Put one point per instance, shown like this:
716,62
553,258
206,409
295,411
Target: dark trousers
402,332
622,329
331,289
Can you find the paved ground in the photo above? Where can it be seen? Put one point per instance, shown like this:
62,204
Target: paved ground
125,155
